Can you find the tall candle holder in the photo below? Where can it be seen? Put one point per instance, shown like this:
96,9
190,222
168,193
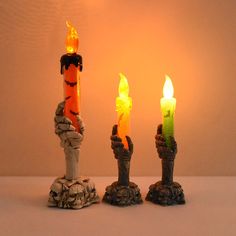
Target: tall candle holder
71,191
122,192
166,192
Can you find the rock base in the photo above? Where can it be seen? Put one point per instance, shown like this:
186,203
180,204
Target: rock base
72,194
122,195
166,195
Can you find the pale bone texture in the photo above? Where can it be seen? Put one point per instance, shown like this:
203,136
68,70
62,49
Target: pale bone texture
72,194
70,140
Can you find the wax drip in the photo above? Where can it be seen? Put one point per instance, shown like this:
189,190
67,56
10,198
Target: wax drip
68,59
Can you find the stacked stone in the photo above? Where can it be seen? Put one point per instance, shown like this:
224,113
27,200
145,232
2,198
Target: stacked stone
73,194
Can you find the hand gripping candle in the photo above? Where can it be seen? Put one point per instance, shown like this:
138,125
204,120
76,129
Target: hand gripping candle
168,104
123,107
71,65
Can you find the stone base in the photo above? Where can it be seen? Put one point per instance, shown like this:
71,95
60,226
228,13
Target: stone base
122,195
166,195
72,194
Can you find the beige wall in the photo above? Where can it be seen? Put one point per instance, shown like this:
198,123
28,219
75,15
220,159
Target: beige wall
192,41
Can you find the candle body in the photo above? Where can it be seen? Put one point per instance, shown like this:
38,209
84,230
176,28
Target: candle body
168,110
123,107
72,94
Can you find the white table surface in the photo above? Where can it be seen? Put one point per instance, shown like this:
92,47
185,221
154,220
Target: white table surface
210,210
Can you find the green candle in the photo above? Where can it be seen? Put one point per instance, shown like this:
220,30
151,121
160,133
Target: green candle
168,104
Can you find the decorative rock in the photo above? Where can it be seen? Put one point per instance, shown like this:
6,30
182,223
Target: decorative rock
72,194
122,195
166,195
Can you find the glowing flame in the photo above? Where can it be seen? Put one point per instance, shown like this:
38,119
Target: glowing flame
123,86
72,39
168,89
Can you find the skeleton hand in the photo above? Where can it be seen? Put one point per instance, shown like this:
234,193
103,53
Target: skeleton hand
118,147
162,149
66,131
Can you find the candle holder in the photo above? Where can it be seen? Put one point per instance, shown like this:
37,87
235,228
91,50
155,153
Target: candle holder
122,192
166,192
71,191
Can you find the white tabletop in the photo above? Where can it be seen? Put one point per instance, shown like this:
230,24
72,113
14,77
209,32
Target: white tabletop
210,210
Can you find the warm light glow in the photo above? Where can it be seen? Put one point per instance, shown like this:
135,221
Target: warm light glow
168,89
72,39
123,86
123,107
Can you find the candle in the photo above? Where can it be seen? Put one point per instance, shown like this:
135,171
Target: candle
168,104
71,64
123,107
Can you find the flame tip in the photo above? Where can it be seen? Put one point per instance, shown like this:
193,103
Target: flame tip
168,89
72,38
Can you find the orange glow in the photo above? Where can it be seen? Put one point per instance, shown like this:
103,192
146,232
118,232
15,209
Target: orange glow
123,107
72,39
168,89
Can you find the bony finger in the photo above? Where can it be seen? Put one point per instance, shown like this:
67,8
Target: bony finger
114,130
116,138
130,143
60,109
173,144
159,129
72,134
160,143
65,127
117,145
160,137
62,119
81,124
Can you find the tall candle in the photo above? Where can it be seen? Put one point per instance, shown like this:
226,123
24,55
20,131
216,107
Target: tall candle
71,64
123,107
168,104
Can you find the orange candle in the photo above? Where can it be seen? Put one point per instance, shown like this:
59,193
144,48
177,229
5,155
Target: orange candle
123,107
71,65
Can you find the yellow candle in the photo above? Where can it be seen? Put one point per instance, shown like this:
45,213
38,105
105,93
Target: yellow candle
168,104
123,107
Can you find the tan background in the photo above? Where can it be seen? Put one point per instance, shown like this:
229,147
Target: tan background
192,41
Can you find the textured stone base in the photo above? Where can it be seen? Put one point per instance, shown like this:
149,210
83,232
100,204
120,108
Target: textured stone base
122,195
72,194
166,194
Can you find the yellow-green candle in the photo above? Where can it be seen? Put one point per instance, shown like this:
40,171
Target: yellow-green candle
168,104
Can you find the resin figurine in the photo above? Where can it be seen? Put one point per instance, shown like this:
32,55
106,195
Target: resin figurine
71,191
166,192
122,192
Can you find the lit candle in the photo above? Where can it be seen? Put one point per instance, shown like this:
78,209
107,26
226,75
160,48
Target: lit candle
168,104
123,107
71,64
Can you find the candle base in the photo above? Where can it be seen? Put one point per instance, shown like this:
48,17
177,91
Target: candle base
120,195
72,194
166,194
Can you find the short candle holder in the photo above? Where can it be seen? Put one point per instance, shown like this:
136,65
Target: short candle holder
122,192
71,191
166,192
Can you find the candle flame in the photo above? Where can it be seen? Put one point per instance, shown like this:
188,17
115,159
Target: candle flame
72,39
123,86
168,89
